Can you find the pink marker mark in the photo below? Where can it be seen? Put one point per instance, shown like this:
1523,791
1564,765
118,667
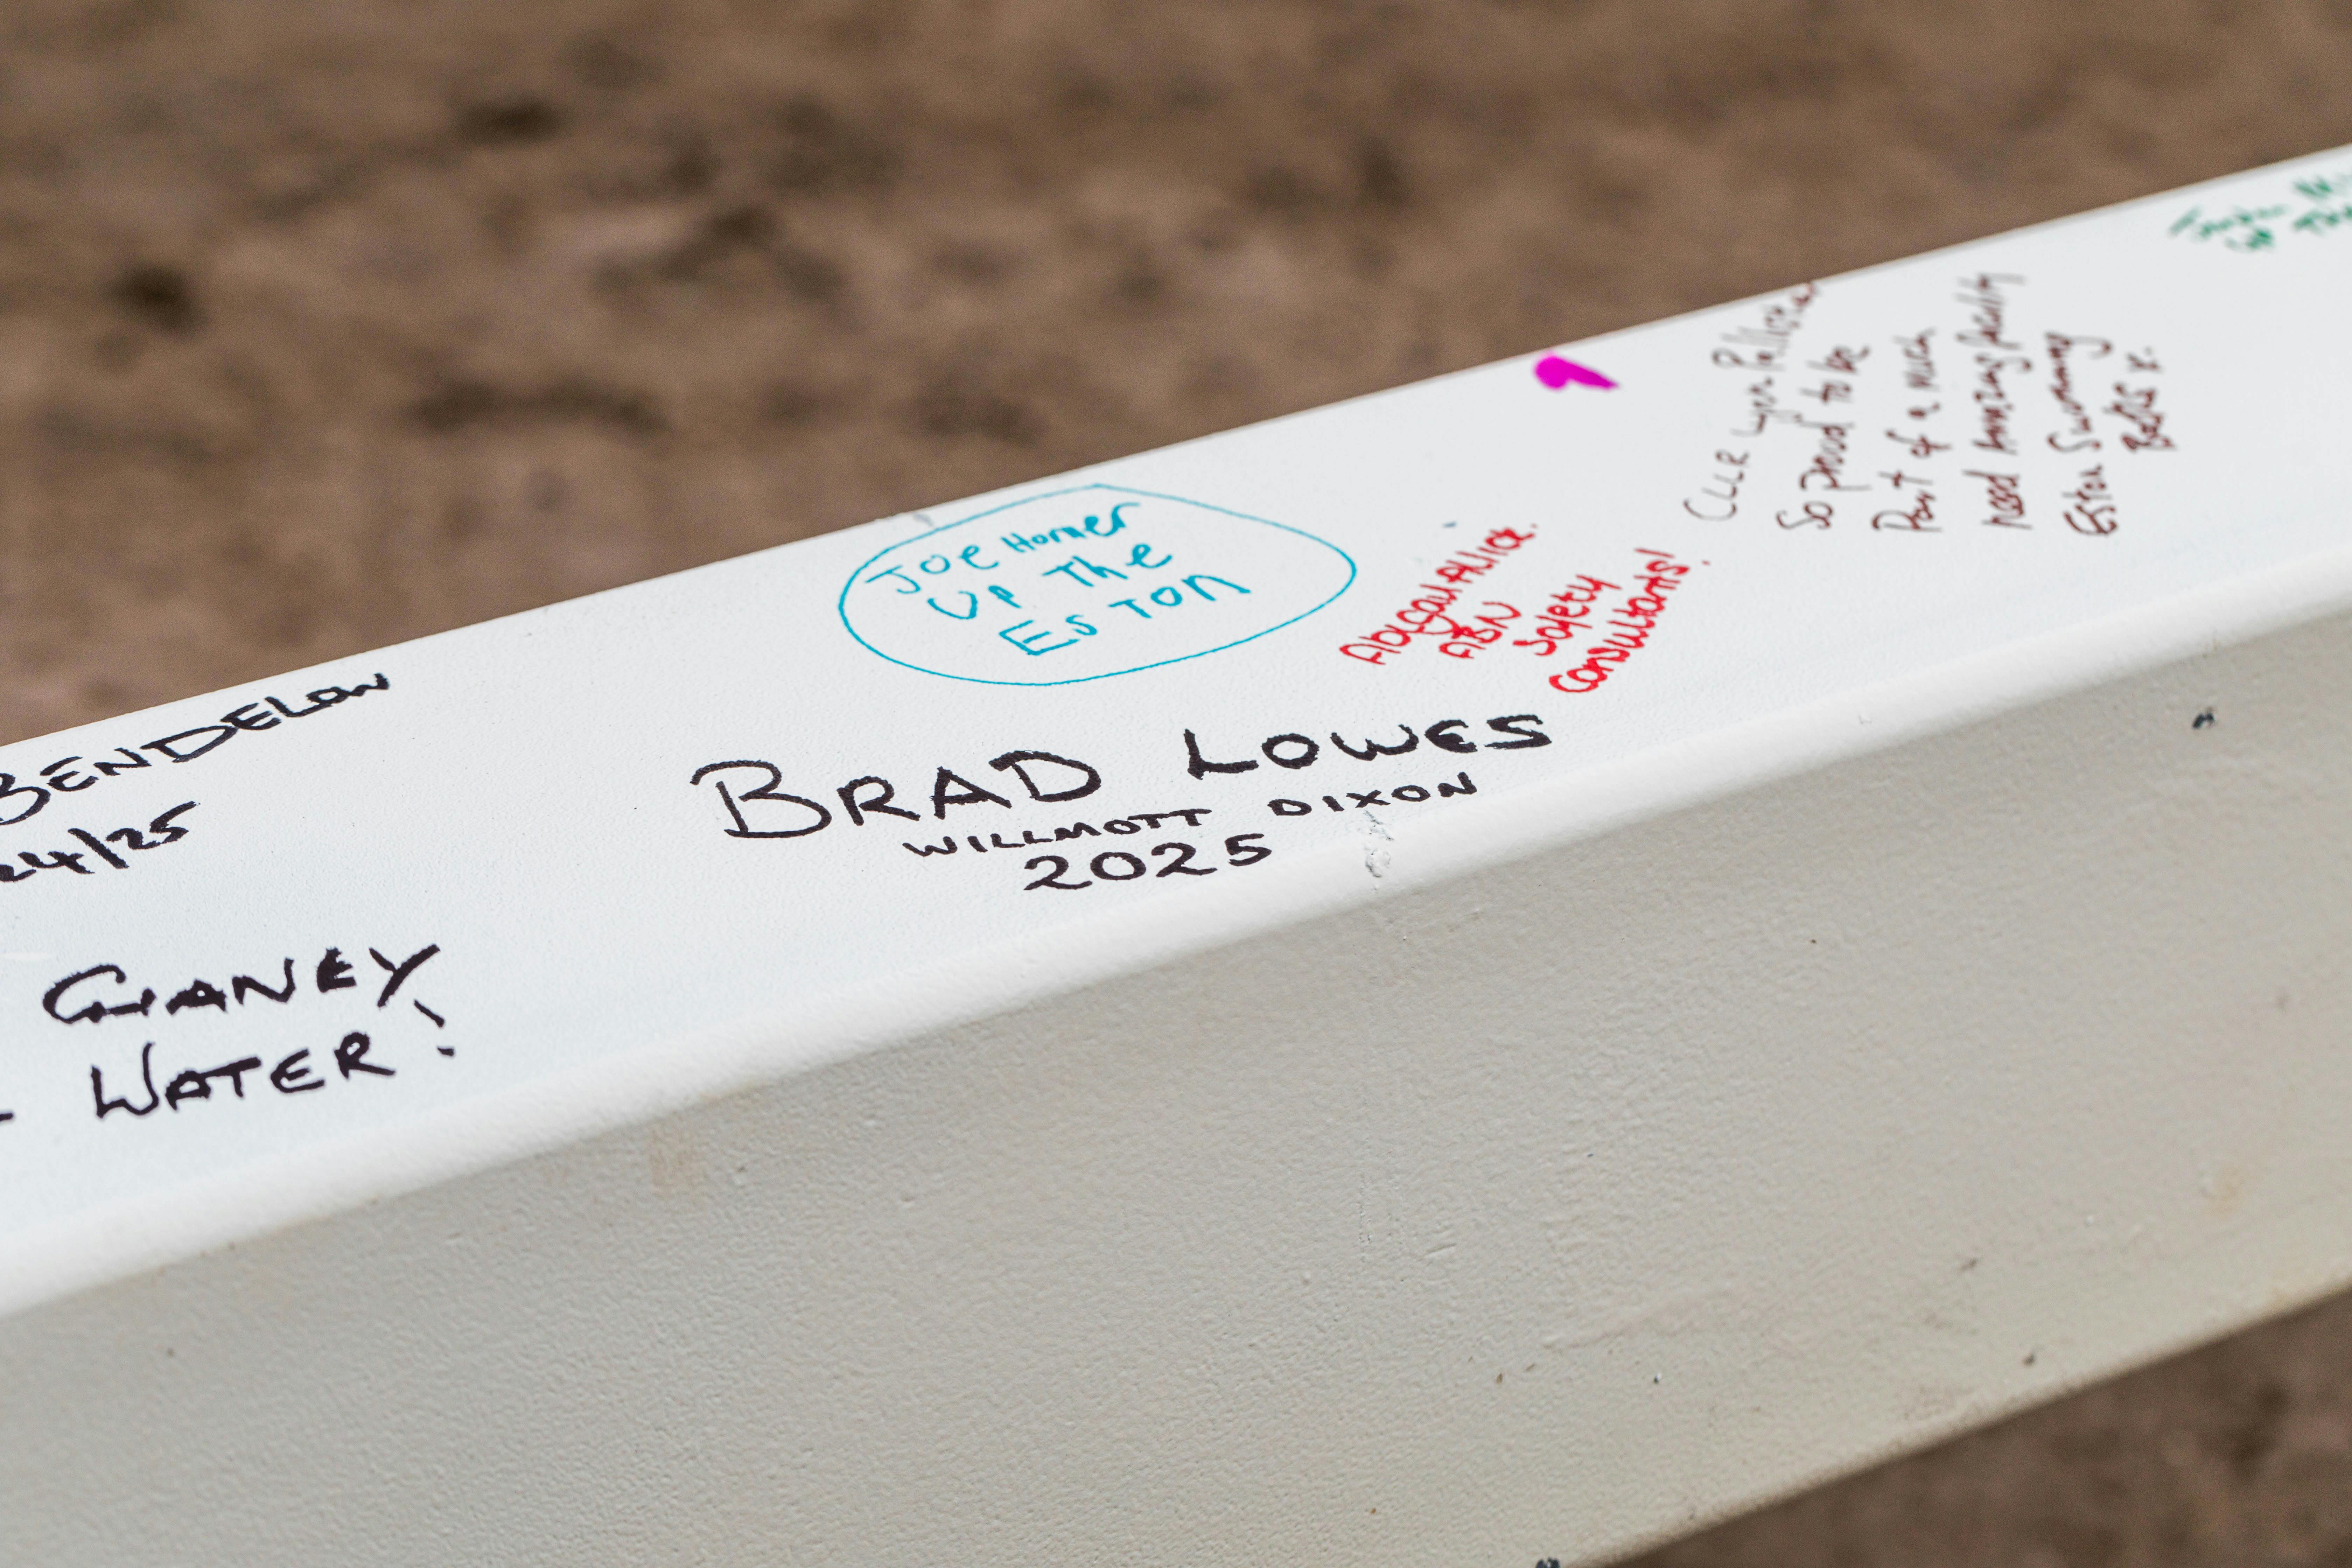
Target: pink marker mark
1557,372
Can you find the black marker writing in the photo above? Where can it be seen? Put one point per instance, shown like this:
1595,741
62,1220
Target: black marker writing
103,991
294,1073
1294,750
164,826
20,801
750,792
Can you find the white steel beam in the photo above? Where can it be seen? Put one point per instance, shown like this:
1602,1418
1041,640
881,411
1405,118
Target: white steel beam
1481,975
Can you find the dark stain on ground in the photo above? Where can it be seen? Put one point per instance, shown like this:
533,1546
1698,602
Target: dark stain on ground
464,404
510,119
157,296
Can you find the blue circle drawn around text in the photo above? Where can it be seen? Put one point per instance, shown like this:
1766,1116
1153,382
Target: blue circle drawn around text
842,604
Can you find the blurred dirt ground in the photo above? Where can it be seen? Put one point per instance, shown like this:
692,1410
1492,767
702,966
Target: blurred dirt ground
2237,1456
324,325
